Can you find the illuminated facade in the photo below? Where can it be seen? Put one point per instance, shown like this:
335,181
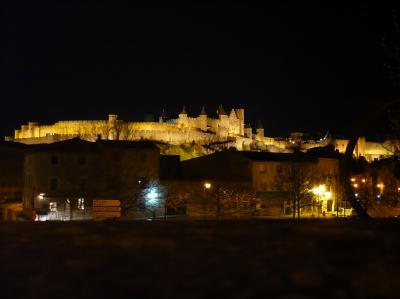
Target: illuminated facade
227,129
184,129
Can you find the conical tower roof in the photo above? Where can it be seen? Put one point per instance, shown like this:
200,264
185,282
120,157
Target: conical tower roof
164,114
183,110
221,110
233,113
203,111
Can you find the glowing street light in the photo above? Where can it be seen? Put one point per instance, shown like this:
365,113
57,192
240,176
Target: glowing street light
319,190
355,185
152,197
206,186
328,195
380,186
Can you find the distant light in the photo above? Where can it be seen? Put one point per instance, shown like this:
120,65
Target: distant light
353,179
355,185
356,194
363,180
319,190
152,197
207,185
328,195
378,196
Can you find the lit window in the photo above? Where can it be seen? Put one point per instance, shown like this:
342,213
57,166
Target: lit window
81,203
53,207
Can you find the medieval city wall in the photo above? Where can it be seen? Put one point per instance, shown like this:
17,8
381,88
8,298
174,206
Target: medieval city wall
201,130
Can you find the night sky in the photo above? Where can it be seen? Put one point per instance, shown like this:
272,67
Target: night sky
294,67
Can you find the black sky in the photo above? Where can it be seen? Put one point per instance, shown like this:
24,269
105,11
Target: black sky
293,67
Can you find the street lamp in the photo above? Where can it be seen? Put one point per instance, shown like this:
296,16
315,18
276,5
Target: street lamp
380,186
206,186
319,191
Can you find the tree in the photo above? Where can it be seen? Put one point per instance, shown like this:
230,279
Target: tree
156,196
235,200
295,178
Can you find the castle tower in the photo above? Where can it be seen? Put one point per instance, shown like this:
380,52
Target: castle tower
24,131
360,147
240,115
32,127
260,130
112,131
248,131
223,127
202,118
112,118
183,118
163,117
221,112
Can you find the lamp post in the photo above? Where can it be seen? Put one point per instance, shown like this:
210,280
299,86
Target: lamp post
380,186
206,186
318,191
398,193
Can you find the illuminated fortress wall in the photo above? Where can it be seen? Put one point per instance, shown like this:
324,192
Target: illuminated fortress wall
201,130
184,129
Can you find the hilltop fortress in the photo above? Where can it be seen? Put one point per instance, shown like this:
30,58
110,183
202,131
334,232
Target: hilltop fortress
223,131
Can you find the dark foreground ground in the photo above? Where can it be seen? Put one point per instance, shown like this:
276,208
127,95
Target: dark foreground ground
192,259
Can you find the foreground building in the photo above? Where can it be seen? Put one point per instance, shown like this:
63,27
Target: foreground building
243,173
11,179
62,179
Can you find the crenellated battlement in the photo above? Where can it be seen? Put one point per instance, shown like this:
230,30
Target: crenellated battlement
200,129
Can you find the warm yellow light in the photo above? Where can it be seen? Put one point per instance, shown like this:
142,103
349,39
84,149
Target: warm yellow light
398,189
319,190
355,185
379,185
328,195
353,179
207,185
363,180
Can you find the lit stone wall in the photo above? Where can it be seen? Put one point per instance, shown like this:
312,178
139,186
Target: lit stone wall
201,130
182,130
